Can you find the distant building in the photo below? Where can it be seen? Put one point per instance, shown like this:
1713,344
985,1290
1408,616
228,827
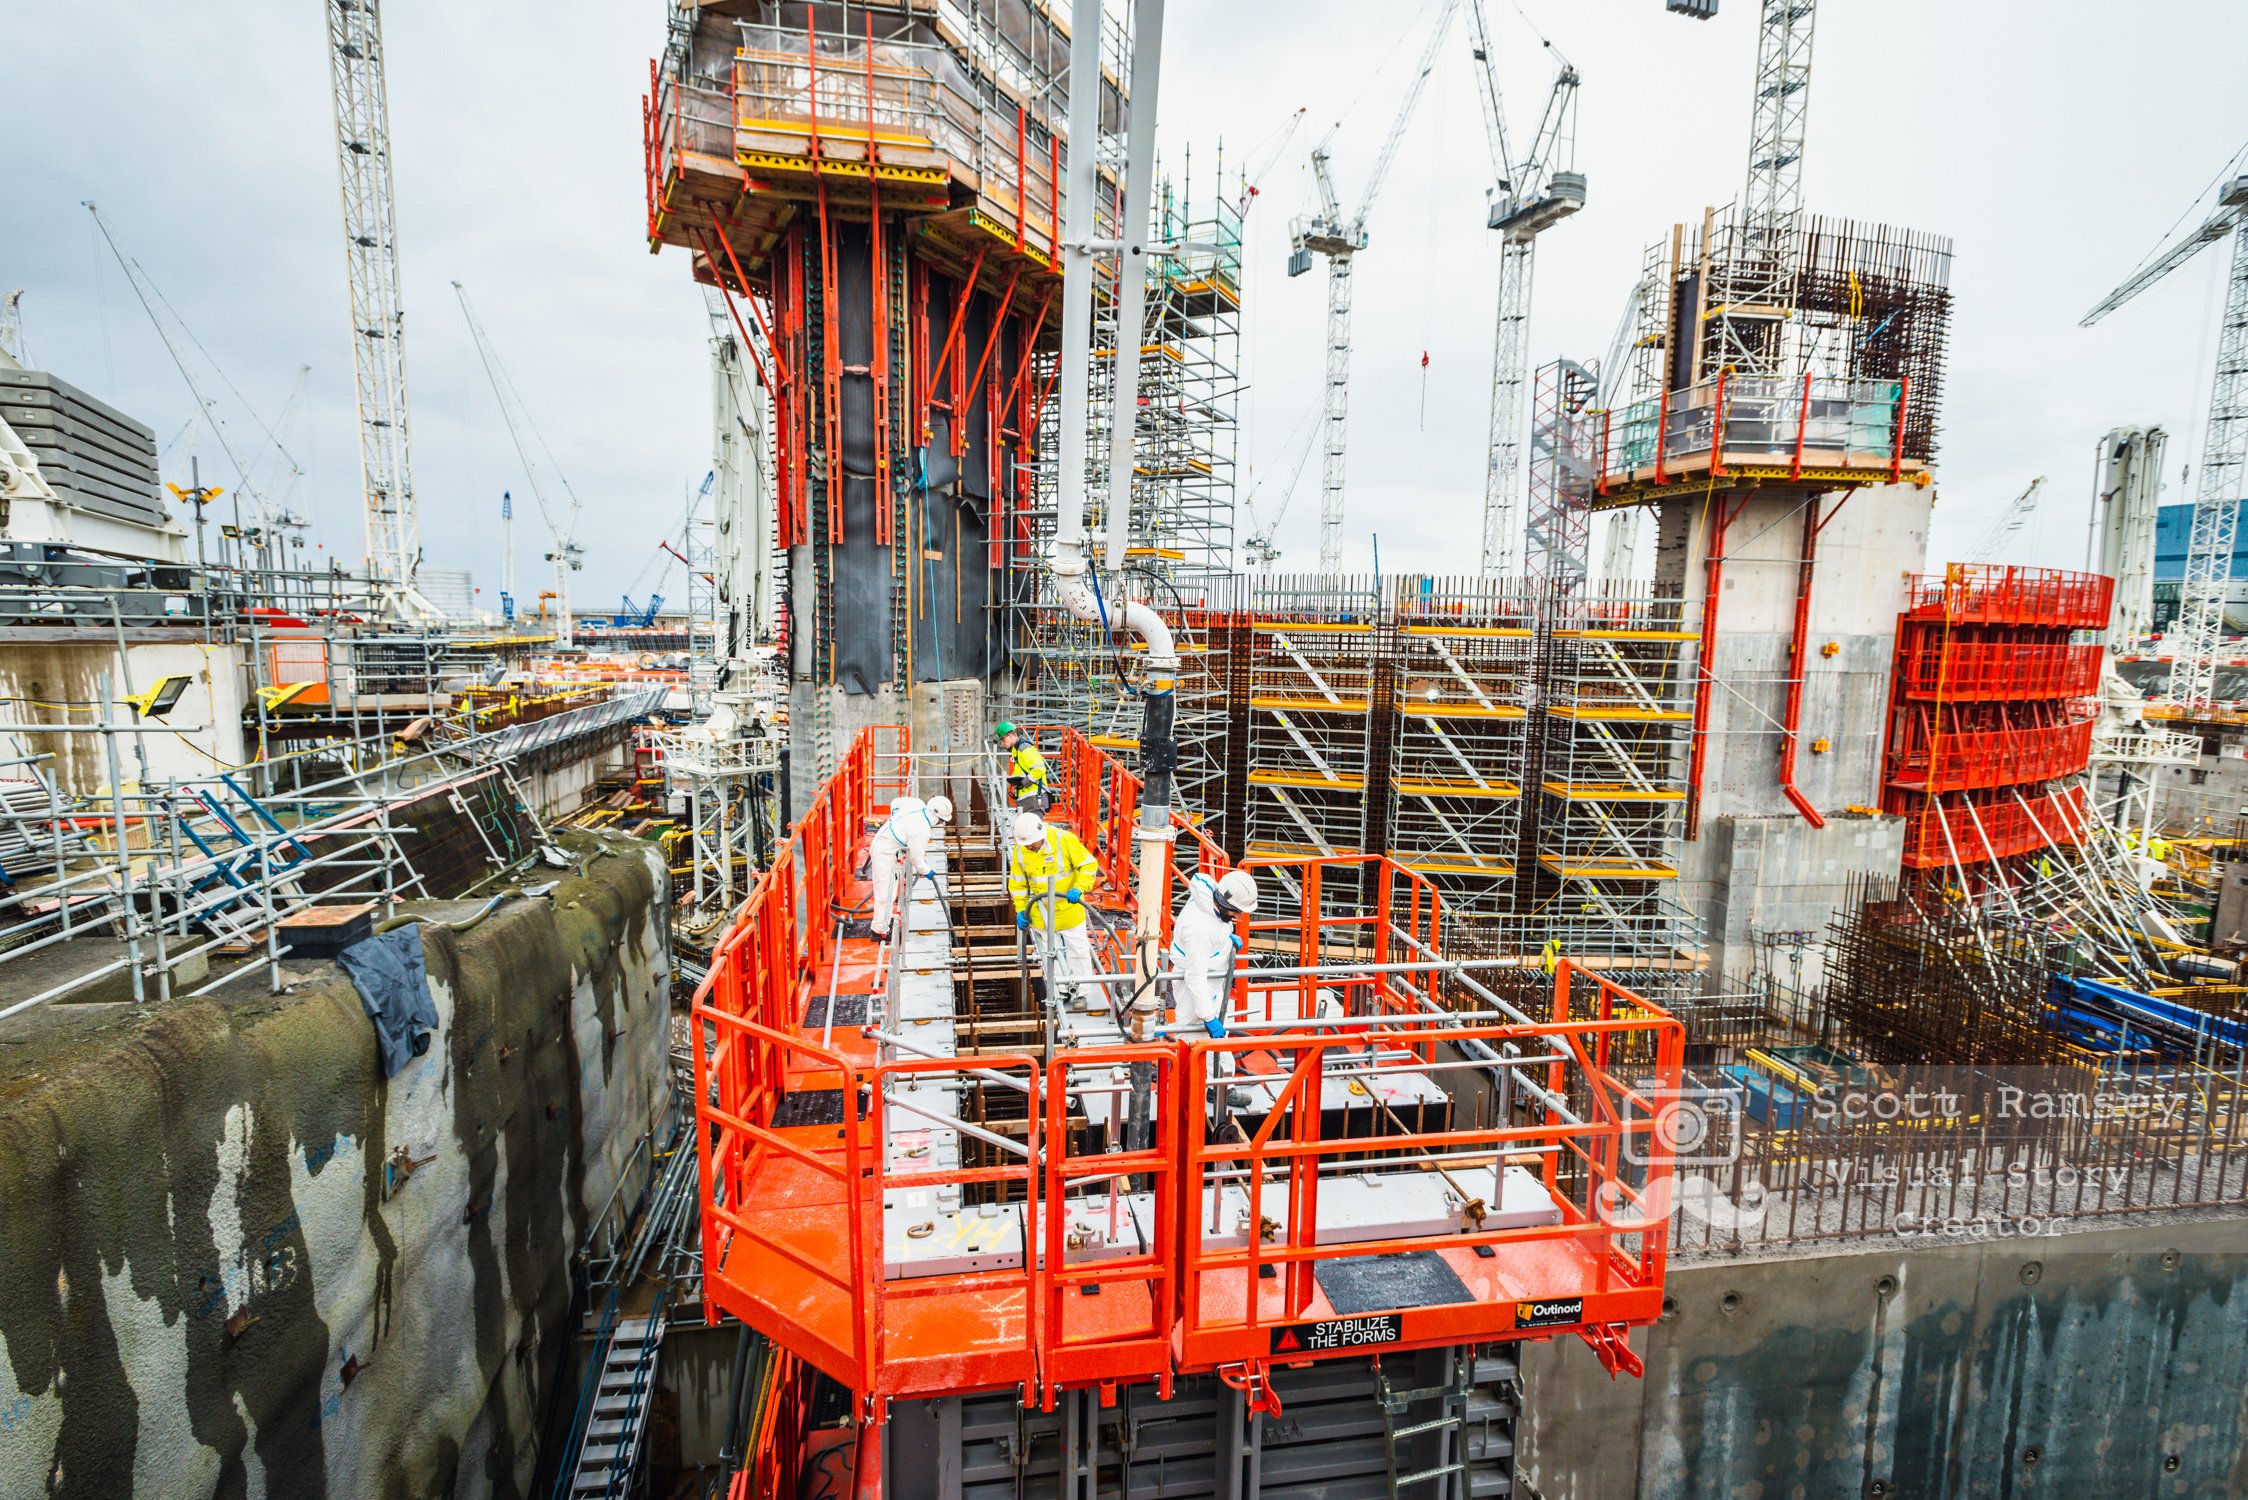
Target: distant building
451,590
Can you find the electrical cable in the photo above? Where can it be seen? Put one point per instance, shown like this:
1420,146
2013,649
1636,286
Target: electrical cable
1108,632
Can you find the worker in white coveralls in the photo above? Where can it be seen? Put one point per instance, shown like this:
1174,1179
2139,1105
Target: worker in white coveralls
1204,943
1051,872
899,852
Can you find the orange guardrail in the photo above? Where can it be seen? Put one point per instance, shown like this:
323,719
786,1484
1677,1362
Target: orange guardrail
1095,1259
1992,594
1995,671
1958,759
1979,827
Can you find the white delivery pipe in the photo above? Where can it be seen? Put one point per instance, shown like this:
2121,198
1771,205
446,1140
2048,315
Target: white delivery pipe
1077,592
1131,271
1080,192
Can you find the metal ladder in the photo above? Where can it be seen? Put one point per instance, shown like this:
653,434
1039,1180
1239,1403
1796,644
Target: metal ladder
618,1421
1469,1413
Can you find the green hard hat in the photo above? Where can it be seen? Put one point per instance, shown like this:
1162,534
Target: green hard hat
1002,729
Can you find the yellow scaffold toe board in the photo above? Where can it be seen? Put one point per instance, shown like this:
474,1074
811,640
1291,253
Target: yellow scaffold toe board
1616,791
1306,778
1495,789
1606,869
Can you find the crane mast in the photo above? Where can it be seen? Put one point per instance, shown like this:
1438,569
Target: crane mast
1529,198
1758,289
1328,233
2216,507
378,324
2224,449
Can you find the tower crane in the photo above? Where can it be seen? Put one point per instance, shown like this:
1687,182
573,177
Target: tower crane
1339,238
1260,548
378,323
566,555
1531,196
1758,290
2224,446
1253,179
2009,523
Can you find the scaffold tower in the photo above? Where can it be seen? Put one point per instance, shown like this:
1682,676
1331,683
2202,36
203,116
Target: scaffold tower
1069,672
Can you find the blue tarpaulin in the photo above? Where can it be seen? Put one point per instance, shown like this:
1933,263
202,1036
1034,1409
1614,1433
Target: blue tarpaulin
393,983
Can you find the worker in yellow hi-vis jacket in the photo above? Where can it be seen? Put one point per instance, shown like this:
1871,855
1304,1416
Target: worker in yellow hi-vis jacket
1048,878
1029,783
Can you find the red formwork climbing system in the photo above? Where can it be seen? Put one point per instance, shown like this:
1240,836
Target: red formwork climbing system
1989,715
1558,1229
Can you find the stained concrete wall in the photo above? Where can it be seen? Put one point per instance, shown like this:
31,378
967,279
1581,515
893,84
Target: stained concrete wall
2105,1362
204,1288
1758,865
48,678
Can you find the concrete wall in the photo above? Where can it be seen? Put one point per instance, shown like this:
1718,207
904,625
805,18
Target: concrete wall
560,783
2207,797
68,673
946,718
1751,836
2109,1362
204,1287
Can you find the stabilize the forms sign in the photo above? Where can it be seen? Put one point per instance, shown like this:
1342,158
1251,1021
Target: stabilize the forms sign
1337,1333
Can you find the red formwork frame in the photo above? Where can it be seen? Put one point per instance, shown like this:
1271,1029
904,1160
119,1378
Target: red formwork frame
1992,594
1982,671
1959,748
1979,828
792,1218
1988,718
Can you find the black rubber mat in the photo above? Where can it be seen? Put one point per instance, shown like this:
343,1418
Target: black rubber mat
810,1107
1372,1283
850,1010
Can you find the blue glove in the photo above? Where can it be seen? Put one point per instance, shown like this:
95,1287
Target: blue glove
1074,898
1022,920
1215,1026
1236,940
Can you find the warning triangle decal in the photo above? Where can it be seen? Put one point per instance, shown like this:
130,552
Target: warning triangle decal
1287,1340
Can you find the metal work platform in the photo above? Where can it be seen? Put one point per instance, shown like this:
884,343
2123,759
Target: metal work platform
932,1164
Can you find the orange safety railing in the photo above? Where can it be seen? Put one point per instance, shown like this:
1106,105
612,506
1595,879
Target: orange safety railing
1953,760
1604,1177
1979,827
1991,671
801,1224
1989,594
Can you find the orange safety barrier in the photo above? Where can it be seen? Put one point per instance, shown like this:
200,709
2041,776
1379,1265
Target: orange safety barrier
1053,1292
1993,671
1979,593
1977,828
1958,759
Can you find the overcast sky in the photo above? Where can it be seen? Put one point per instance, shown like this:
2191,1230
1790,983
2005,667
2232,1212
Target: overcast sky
2054,141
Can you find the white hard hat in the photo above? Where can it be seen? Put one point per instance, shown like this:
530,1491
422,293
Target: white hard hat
940,809
1030,830
1238,889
